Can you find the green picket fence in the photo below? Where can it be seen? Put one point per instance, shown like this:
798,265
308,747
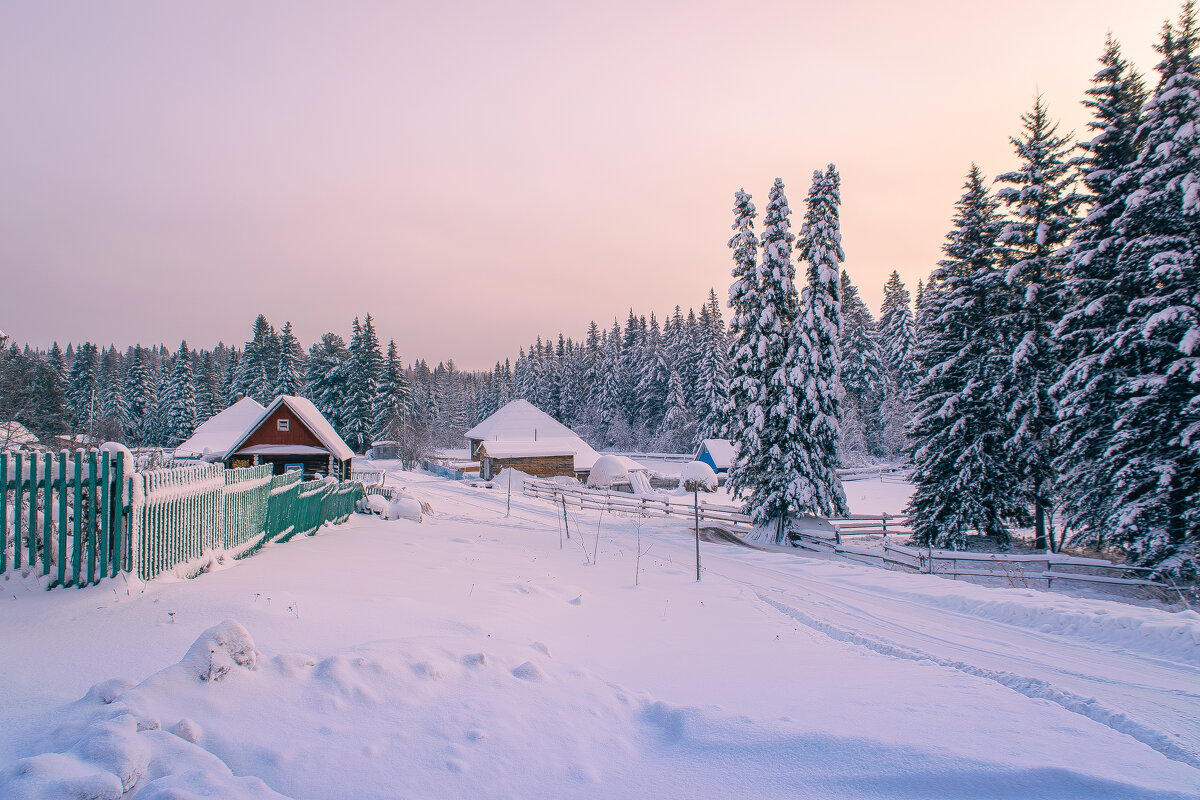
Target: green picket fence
78,517
66,514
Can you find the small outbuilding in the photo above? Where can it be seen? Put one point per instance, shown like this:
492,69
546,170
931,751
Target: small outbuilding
290,434
718,454
522,436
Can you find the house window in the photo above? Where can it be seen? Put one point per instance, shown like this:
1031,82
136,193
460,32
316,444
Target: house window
293,468
282,424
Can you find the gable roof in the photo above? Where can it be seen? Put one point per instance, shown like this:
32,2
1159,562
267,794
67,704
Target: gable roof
722,451
222,434
308,414
522,421
524,429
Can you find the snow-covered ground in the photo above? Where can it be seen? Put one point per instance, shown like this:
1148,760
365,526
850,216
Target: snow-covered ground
481,655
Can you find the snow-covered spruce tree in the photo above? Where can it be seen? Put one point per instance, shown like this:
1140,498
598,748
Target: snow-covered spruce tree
1086,393
898,336
813,364
1042,205
393,404
962,473
677,430
362,385
111,398
766,466
712,391
138,401
744,414
289,374
653,378
612,418
259,361
179,397
862,374
327,378
1155,351
82,388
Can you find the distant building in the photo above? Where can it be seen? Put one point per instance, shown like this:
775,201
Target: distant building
15,436
718,454
524,437
290,434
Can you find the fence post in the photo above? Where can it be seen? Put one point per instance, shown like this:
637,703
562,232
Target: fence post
33,478
77,527
105,517
17,486
47,511
62,517
91,535
3,512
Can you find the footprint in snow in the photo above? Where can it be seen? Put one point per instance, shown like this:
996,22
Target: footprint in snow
578,601
541,648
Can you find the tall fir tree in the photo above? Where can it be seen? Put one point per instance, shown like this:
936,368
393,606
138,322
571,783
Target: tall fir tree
83,388
289,374
814,357
179,397
1155,351
1042,205
1087,404
862,374
743,410
962,471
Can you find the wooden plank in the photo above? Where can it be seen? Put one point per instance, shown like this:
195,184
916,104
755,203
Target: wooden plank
77,528
105,516
33,514
18,485
62,517
118,508
47,512
91,530
4,512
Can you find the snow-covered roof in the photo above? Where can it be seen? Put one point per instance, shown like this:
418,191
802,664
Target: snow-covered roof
522,421
312,419
721,450
14,433
522,429
223,434
218,434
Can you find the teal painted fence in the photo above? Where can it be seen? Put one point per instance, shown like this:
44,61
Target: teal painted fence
65,515
80,517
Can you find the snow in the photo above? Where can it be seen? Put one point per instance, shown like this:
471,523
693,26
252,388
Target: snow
607,472
218,434
521,428
483,655
699,474
14,434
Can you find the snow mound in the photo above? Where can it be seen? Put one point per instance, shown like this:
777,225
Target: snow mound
696,475
219,650
607,472
402,507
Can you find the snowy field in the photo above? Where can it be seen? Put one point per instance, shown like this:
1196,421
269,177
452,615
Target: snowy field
479,655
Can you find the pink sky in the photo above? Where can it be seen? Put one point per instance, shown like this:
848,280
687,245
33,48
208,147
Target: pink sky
480,174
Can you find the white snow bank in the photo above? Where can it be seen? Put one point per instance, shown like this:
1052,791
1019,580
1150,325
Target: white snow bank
400,507
432,718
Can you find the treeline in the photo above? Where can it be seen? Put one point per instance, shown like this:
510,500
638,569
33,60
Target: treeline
1060,346
153,397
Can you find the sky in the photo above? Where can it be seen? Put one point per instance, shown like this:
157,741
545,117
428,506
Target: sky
477,174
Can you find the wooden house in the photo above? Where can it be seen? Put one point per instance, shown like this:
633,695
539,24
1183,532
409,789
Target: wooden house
290,434
524,437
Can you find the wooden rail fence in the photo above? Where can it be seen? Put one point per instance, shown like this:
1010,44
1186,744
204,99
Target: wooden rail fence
80,517
663,506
